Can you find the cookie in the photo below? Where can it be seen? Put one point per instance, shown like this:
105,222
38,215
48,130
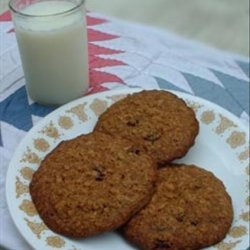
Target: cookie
190,210
160,122
92,184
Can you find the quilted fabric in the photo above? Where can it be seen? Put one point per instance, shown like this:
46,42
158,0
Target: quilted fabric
121,55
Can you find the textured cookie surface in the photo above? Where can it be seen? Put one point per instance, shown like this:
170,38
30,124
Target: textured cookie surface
158,121
92,184
190,210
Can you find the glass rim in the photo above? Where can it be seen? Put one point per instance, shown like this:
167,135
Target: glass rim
81,2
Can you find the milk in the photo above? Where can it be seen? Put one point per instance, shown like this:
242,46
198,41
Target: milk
53,49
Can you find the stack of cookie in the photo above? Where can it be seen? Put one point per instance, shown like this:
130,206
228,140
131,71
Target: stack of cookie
121,176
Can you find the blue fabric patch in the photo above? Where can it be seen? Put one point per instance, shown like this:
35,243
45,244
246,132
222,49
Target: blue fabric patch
15,110
1,141
214,93
41,110
245,67
238,89
164,84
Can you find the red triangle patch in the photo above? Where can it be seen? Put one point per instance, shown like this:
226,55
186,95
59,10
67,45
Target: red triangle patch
5,17
97,62
91,21
98,77
11,30
98,50
96,89
94,36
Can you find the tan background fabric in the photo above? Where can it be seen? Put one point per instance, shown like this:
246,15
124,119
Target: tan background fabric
221,23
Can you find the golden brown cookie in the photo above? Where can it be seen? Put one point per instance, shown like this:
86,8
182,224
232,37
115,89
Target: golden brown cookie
92,184
160,122
190,210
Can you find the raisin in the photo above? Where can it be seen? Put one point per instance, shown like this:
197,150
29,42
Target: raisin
134,150
133,122
194,222
99,173
161,245
180,217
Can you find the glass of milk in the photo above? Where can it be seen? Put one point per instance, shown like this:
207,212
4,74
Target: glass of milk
52,40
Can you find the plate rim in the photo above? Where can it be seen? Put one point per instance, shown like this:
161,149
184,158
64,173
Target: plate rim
43,120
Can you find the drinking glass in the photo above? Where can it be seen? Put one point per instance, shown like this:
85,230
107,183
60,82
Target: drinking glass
52,41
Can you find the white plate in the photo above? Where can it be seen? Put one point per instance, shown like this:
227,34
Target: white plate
221,147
